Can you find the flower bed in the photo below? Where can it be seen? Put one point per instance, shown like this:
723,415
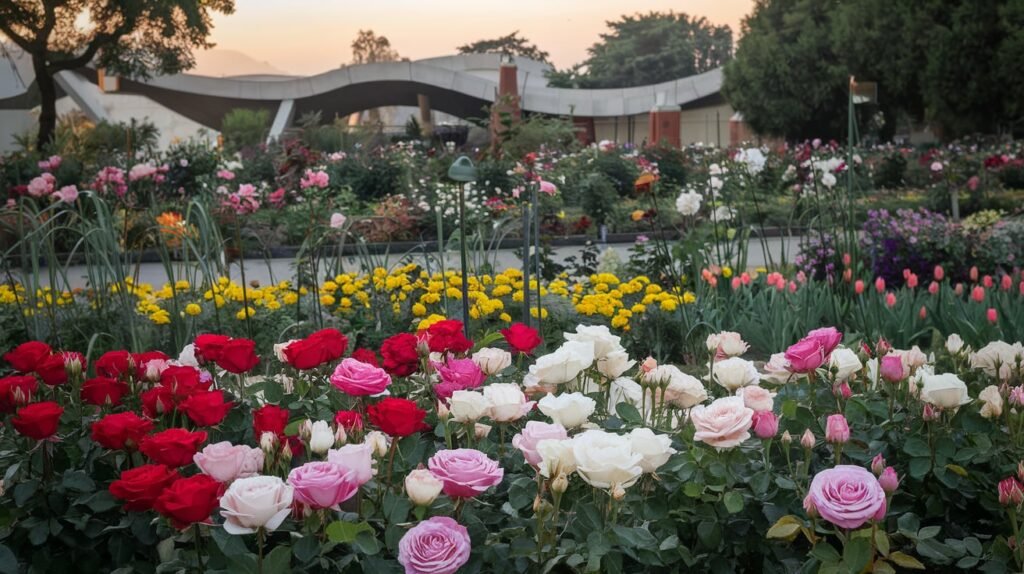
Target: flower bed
438,453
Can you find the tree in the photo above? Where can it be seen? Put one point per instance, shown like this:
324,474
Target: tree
785,78
510,45
369,48
129,37
648,49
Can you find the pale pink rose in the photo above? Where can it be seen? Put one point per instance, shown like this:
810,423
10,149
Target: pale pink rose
756,397
847,496
725,423
778,368
338,220
67,194
765,424
318,179
225,462
356,457
548,187
42,186
323,484
255,502
889,480
837,430
805,356
438,545
534,432
465,472
141,171
357,378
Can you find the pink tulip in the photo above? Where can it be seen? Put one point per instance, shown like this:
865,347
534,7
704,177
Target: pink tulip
987,281
858,287
923,313
959,290
1006,283
992,316
880,285
939,273
735,283
912,280
933,288
974,274
890,299
978,294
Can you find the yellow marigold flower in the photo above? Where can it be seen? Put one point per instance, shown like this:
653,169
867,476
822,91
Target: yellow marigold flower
727,272
668,305
345,303
291,298
689,298
419,309
426,322
160,317
637,215
245,313
181,285
193,309
273,305
453,293
638,308
218,301
619,322
327,300
505,317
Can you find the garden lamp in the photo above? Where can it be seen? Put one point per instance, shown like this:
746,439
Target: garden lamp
462,171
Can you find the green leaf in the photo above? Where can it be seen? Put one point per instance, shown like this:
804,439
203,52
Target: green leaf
908,525
278,560
919,467
23,492
882,542
883,567
957,469
396,508
8,561
100,501
785,528
635,537
825,553
906,561
929,532
917,447
346,532
78,480
710,533
693,489
230,545
306,548
857,554
733,501
243,564
628,413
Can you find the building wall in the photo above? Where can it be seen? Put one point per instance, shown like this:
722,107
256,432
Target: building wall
173,127
14,123
707,125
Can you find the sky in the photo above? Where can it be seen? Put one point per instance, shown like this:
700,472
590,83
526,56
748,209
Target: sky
311,36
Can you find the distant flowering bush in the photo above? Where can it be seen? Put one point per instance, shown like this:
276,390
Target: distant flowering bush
917,240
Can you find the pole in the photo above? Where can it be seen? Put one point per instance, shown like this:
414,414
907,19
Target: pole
526,264
462,256
536,244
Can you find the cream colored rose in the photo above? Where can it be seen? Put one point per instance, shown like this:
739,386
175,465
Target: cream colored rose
468,406
683,391
279,350
654,448
615,363
945,390
253,503
954,344
777,370
571,410
734,373
564,364
624,390
603,340
724,423
556,457
997,358
508,403
992,402
606,460
422,487
756,398
845,362
727,343
491,360
321,438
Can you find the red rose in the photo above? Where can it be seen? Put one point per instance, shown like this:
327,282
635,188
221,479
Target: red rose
157,401
401,358
206,408
448,336
16,390
53,369
139,487
189,500
173,447
521,338
27,356
238,356
182,381
121,431
366,356
317,349
140,360
397,417
114,363
38,420
269,418
103,391
208,347
349,420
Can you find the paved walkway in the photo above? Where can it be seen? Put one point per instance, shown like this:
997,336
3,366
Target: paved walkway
267,271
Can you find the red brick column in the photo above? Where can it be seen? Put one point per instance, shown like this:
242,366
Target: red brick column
664,126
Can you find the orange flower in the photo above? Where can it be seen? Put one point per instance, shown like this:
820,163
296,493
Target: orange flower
637,215
172,227
644,182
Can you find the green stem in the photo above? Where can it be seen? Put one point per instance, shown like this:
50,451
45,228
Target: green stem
260,535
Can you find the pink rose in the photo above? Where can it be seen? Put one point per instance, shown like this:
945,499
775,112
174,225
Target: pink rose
533,433
756,398
891,368
457,375
805,356
323,484
438,545
828,337
837,430
225,462
357,378
847,496
723,424
889,480
356,457
765,424
465,472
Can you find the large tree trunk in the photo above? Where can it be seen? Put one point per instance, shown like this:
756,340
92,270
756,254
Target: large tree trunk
47,103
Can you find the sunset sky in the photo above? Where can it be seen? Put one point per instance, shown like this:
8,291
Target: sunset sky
310,36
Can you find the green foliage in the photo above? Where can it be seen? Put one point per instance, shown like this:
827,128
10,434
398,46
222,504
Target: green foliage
511,45
598,197
244,128
537,132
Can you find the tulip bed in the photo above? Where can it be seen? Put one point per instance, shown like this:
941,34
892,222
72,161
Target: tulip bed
441,454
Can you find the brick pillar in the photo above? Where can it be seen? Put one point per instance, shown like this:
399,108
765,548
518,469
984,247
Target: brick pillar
664,126
585,130
506,104
426,116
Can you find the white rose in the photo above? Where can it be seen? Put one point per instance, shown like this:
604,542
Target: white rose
734,373
777,370
255,502
492,360
603,340
606,460
615,363
624,390
945,390
688,203
654,448
992,406
468,406
355,457
279,350
379,441
321,437
756,398
684,391
508,403
556,457
997,355
954,344
570,410
564,364
846,363
422,487
187,357
912,358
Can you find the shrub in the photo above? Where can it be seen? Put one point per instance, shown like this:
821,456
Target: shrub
244,128
915,240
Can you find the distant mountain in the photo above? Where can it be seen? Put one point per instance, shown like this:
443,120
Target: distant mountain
224,63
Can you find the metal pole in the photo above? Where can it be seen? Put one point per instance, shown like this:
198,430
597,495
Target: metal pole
536,245
526,264
462,255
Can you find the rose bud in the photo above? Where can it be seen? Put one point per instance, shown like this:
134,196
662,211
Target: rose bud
422,487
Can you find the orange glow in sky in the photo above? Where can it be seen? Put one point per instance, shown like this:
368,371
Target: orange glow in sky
310,36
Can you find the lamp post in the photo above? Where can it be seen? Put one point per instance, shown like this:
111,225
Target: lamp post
462,171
